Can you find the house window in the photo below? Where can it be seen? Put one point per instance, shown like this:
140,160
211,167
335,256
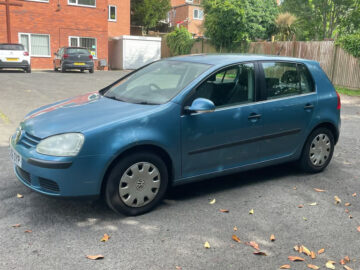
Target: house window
37,45
85,42
188,1
112,13
198,14
86,3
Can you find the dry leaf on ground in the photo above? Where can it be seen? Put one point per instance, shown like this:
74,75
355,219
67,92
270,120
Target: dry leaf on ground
347,211
347,204
313,204
319,190
235,238
313,255
207,244
347,267
294,188
20,195
105,238
321,251
235,228
16,225
295,259
313,266
178,267
272,238
260,253
342,262
212,201
347,259
224,211
253,244
300,206
305,250
337,200
285,266
330,265
28,231
251,211
354,195
95,257
358,228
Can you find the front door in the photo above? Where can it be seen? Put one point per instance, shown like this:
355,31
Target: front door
290,102
223,139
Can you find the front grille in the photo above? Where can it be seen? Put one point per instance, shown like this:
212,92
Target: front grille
29,140
24,175
49,184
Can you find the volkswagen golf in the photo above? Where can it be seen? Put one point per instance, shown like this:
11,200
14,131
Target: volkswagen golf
176,121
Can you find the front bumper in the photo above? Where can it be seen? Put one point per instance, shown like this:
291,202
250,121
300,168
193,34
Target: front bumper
59,176
23,64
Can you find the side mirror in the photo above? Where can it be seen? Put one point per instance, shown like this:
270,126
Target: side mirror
201,105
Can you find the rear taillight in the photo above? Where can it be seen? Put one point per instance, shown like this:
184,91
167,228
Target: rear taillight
65,56
338,101
26,53
90,56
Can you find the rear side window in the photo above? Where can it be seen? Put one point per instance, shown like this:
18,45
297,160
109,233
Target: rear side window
307,83
281,79
77,51
12,47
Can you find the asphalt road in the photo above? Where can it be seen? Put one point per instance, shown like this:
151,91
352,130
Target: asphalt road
64,231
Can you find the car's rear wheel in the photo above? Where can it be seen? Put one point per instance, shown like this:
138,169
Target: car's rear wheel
318,150
28,70
63,69
136,184
91,70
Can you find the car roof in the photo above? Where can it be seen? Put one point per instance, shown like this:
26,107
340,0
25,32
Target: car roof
228,59
11,44
75,48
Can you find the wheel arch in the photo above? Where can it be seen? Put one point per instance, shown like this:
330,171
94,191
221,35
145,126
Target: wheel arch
164,155
329,126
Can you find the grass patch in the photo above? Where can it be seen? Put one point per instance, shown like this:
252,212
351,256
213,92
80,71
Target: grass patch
348,92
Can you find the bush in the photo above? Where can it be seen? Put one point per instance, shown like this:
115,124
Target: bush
350,43
180,41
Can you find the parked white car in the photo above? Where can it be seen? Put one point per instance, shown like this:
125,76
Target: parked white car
14,56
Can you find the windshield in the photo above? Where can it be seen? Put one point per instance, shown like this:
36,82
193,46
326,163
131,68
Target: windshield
12,47
156,83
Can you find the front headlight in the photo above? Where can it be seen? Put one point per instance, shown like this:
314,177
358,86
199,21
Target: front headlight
63,145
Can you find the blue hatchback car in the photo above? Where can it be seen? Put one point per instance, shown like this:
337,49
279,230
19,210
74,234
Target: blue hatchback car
176,121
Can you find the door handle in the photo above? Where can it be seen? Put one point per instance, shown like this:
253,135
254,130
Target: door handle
254,116
309,106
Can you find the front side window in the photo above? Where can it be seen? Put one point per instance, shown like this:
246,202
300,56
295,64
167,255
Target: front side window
36,44
281,79
91,3
112,13
156,83
198,14
85,42
229,87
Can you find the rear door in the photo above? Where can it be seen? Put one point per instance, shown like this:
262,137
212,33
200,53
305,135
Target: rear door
289,103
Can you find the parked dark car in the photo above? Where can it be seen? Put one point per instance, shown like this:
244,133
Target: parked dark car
73,58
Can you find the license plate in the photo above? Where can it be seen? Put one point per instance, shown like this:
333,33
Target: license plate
15,157
12,59
79,64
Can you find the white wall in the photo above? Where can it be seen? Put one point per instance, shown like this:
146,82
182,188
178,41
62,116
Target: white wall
132,52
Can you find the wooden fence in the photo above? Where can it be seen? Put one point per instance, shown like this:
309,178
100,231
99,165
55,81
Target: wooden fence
342,68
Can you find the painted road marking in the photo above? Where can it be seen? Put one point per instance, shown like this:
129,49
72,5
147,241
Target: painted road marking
4,118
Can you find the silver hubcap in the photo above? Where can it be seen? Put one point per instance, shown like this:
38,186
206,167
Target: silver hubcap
139,184
320,150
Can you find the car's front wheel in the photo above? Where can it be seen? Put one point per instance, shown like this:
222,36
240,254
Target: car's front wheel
136,184
318,150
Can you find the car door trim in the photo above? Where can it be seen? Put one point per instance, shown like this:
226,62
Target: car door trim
252,140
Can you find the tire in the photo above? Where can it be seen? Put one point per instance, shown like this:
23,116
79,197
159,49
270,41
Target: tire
136,196
55,69
28,70
318,151
81,70
62,69
91,70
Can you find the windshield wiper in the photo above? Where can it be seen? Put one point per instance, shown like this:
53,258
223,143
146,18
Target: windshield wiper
145,103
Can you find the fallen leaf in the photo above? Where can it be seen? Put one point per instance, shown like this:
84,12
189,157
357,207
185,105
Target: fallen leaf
251,211
342,262
16,225
294,188
347,211
105,238
313,255
347,259
28,231
254,245
296,248
260,253
358,228
330,265
224,211
347,267
207,244
300,206
95,257
235,228
306,251
321,251
272,238
20,195
178,267
212,201
301,250
350,216
337,200
304,218
313,204
235,238
285,266
319,190
296,259
354,195
347,204
313,266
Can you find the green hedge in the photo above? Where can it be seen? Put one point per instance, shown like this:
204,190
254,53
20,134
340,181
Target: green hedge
180,41
350,43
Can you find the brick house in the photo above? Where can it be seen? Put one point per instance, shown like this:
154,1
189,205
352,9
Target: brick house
43,26
188,13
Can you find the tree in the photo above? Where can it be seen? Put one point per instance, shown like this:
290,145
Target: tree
180,41
351,23
285,25
148,13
